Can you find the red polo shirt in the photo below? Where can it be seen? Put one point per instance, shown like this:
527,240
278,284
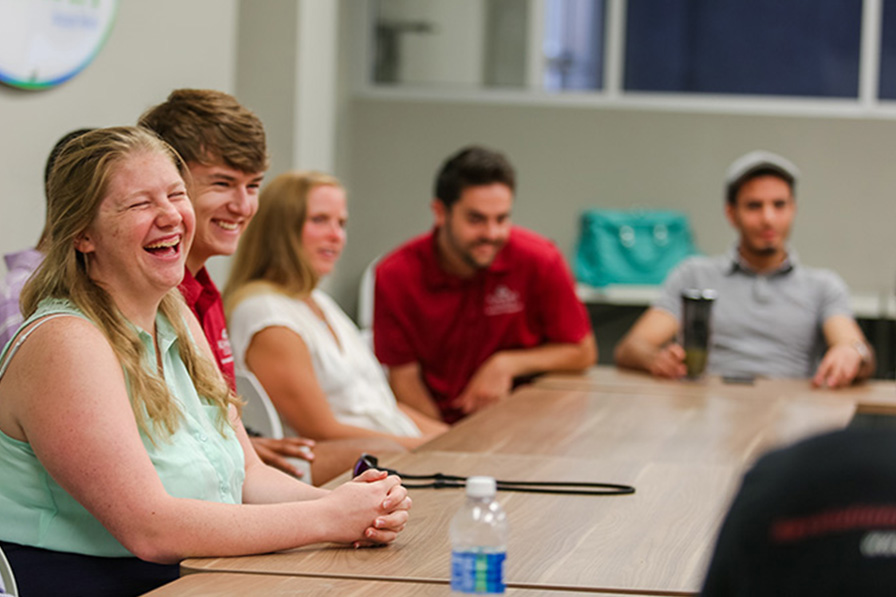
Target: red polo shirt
451,325
204,299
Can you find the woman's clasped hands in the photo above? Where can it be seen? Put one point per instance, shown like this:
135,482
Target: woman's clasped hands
372,509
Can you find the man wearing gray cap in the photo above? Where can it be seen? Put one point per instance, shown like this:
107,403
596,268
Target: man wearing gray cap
772,316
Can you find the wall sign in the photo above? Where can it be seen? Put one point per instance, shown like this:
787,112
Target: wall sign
46,42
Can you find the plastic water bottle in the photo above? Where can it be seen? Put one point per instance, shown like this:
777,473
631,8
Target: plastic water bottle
479,541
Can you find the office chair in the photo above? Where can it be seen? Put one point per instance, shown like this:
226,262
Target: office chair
365,302
7,580
260,415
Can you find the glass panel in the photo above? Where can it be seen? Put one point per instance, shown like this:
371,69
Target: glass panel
888,51
794,48
574,44
475,43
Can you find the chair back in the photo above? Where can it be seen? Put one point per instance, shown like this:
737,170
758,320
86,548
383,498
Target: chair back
7,580
365,302
259,413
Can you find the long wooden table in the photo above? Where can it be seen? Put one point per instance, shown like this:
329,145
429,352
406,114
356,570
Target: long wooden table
721,426
654,541
683,446
218,584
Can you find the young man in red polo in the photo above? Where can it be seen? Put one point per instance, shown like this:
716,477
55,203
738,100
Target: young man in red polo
224,146
464,311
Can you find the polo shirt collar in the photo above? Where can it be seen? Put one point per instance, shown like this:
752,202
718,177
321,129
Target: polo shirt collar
192,286
435,275
165,336
502,264
736,263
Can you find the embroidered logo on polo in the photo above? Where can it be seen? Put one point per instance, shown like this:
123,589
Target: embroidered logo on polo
503,301
224,349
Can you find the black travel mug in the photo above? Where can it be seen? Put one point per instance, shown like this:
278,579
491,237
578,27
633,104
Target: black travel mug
696,312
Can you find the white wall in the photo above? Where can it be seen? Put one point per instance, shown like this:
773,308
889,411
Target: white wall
286,70
155,46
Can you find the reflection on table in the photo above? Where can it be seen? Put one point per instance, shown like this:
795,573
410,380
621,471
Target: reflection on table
869,397
665,423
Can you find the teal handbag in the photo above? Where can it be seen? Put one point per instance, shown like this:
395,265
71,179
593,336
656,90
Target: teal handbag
631,246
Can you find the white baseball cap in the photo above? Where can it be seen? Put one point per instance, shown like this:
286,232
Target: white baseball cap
757,160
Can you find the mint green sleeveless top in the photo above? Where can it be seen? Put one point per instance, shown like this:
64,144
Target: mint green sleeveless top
196,462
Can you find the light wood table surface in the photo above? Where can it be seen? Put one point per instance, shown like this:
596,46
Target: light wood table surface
674,425
683,447
870,397
656,541
216,584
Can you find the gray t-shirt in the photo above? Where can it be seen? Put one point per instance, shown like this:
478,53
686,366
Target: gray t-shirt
767,325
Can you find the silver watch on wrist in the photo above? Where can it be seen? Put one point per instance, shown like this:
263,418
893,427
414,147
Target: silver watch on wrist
863,351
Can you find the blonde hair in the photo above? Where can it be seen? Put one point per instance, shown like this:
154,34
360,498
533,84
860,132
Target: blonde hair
270,253
76,188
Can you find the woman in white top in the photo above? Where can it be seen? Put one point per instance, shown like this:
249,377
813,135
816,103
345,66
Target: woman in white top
309,356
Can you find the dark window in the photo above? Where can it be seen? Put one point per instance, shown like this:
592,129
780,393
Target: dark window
768,47
888,51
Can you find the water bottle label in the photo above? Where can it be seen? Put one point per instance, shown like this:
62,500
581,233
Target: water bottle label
477,572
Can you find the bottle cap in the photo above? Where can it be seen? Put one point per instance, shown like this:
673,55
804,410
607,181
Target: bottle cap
480,487
699,294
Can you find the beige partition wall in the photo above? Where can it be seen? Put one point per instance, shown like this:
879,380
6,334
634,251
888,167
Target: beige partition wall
570,158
